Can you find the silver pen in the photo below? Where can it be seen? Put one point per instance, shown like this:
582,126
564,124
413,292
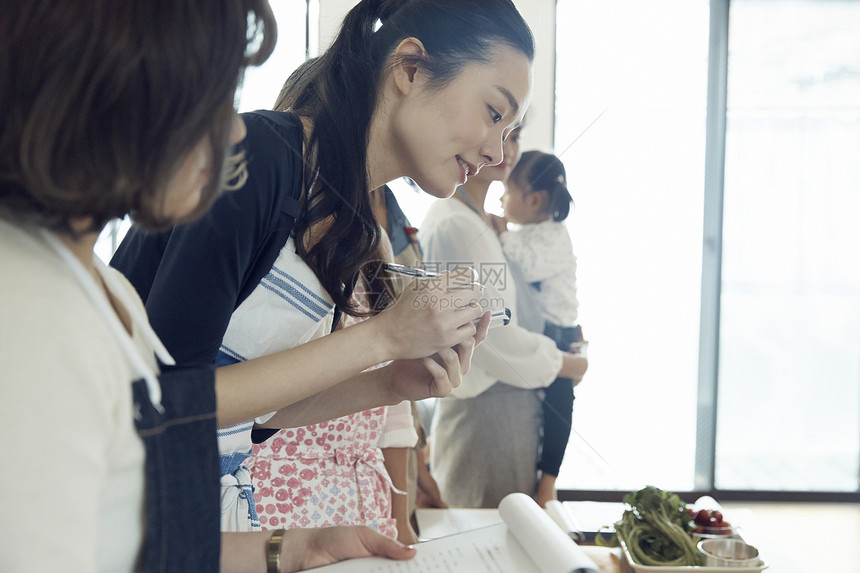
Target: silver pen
409,271
418,273
499,317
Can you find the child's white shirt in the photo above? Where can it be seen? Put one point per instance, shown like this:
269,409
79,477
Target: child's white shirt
544,253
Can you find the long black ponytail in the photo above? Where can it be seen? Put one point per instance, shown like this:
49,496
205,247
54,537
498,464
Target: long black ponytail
338,92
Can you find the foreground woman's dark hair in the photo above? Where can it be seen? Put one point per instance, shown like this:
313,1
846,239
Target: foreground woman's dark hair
101,99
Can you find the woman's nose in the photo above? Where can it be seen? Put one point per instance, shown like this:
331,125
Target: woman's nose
492,151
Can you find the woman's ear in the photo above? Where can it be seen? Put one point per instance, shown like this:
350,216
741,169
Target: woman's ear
406,58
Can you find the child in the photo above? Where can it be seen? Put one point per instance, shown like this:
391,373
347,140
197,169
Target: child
537,200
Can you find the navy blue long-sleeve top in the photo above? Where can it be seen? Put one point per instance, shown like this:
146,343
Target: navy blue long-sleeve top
194,276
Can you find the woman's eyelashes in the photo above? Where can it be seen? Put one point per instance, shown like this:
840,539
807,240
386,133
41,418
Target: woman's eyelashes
494,115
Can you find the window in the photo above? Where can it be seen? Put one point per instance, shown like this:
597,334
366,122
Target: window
787,312
788,414
261,85
630,127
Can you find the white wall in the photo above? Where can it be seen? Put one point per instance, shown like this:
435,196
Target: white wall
540,16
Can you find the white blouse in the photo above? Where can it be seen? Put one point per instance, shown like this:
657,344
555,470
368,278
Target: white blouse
454,235
73,459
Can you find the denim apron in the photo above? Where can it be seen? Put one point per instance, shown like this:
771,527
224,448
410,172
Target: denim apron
175,417
182,488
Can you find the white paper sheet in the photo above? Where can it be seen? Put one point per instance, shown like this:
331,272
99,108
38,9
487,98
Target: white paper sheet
490,549
435,523
549,547
527,542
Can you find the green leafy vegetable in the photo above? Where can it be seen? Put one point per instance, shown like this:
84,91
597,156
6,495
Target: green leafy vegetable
656,529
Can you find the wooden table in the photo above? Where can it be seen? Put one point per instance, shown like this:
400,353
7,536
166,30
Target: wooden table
609,560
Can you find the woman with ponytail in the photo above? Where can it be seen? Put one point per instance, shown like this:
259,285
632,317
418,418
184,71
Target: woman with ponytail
423,88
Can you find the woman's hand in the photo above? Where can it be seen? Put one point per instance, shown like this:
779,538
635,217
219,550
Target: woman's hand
438,375
432,377
432,314
306,548
420,378
428,494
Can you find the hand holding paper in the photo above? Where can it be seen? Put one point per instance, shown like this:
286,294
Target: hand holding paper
528,542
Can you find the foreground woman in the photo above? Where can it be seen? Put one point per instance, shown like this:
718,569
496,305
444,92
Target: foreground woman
110,108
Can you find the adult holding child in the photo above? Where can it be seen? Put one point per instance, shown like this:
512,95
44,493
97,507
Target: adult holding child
486,436
429,94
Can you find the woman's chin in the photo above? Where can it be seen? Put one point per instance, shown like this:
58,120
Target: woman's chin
439,191
494,173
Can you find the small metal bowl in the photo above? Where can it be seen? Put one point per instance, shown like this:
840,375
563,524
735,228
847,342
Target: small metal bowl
728,552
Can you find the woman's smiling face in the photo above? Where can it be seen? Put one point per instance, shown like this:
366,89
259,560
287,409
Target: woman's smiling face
442,135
